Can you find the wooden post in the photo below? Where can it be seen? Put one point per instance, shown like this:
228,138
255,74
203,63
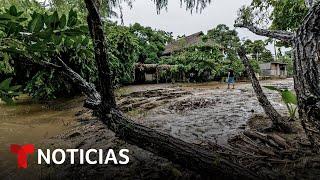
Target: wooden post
157,72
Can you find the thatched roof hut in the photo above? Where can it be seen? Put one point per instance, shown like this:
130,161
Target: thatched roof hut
182,43
153,67
150,72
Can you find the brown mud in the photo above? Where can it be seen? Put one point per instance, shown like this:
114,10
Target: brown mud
29,122
197,113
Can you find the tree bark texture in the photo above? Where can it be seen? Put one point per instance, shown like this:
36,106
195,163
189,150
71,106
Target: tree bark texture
280,35
188,155
277,120
306,49
101,56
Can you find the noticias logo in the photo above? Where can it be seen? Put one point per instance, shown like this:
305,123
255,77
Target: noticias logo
59,156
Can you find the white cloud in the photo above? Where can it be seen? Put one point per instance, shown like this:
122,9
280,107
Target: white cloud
179,21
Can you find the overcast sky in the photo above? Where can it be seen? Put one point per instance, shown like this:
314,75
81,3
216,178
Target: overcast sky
179,21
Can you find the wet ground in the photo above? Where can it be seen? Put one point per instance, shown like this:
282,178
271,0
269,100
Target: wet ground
196,113
209,112
28,122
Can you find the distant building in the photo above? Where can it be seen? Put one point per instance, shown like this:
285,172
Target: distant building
152,73
274,70
161,73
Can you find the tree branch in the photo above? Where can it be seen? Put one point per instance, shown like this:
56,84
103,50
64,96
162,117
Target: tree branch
93,97
280,35
89,89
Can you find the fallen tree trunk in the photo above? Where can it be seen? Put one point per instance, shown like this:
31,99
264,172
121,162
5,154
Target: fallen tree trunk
187,155
277,121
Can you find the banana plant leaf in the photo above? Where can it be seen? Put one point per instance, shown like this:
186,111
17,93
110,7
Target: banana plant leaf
8,92
289,97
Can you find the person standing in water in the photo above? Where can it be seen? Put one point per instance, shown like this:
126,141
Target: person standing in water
231,79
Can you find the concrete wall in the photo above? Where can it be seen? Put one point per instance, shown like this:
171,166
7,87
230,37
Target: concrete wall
273,70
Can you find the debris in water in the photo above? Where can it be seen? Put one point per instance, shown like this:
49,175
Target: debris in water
192,103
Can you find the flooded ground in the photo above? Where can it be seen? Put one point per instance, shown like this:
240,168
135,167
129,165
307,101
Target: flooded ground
28,122
196,113
209,112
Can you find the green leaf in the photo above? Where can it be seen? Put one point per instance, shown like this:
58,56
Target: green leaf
20,13
6,99
289,97
273,88
57,39
73,18
45,34
74,31
36,24
63,21
5,85
69,41
13,11
6,17
15,88
54,20
85,41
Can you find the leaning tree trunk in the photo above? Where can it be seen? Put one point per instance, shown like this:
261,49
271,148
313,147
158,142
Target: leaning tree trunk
104,70
278,121
306,49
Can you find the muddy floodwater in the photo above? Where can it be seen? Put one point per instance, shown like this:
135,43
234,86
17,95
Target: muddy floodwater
208,111
197,113
28,122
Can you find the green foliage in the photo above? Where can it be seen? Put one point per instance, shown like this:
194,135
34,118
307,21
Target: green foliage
5,67
45,34
151,42
258,50
289,98
197,59
191,5
287,58
216,54
8,92
228,41
283,14
123,47
288,14
266,56
222,35
40,37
